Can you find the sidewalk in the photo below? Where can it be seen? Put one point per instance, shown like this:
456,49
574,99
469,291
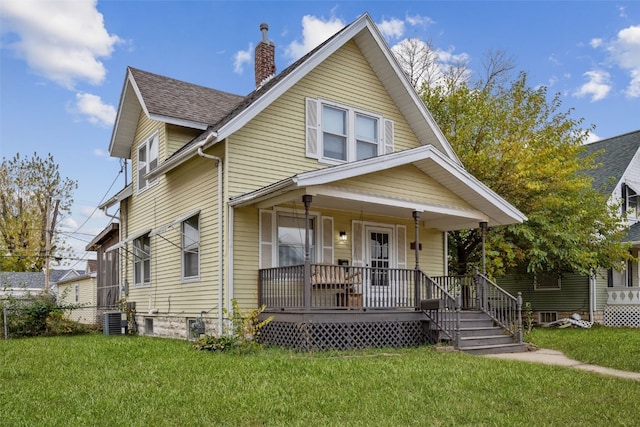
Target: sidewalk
554,357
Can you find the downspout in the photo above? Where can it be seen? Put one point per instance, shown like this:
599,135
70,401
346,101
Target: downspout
220,227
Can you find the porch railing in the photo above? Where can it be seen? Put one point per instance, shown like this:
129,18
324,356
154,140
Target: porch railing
440,305
440,297
336,287
504,308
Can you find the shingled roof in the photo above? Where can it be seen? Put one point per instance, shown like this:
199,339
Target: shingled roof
617,153
167,97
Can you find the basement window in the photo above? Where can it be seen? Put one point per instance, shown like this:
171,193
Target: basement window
547,316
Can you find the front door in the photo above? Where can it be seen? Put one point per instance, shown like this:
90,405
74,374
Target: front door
378,286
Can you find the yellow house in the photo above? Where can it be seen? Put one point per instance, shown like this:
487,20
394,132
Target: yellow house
325,194
80,291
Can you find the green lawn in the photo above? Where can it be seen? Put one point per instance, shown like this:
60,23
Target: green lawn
617,348
138,381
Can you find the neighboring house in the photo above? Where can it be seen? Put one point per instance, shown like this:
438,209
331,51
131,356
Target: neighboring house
325,194
79,291
108,280
610,297
20,284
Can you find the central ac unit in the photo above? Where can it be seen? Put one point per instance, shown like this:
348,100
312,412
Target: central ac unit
112,324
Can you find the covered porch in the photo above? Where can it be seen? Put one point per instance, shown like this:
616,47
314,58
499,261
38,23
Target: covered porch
354,255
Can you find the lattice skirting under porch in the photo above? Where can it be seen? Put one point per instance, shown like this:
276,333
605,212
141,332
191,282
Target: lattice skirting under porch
622,315
308,336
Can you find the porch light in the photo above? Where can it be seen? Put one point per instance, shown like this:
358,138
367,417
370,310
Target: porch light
343,236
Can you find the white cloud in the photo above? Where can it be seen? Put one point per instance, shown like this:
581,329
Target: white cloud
100,153
393,28
314,32
419,20
596,43
625,52
60,40
94,109
241,58
597,86
592,137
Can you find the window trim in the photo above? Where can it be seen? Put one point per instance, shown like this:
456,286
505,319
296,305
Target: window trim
537,287
183,250
142,284
145,145
351,143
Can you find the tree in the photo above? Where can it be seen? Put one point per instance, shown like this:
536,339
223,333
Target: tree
521,145
34,198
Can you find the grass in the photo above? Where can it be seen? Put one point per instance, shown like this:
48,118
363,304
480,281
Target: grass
137,381
617,348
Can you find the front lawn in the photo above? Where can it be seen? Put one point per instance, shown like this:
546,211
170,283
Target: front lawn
617,348
138,381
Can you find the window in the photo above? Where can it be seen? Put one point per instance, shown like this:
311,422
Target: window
191,247
347,135
547,316
77,293
147,161
547,280
633,204
291,239
142,260
338,133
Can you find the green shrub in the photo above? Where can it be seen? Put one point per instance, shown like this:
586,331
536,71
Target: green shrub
39,315
240,337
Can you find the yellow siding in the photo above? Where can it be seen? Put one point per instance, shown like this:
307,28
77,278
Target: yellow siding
246,246
272,145
191,187
87,298
177,137
406,182
245,257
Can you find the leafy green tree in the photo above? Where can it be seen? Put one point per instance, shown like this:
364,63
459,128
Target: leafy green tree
34,198
520,144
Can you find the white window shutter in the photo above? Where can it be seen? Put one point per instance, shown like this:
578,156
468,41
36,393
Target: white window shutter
401,232
388,136
327,240
267,258
357,249
312,127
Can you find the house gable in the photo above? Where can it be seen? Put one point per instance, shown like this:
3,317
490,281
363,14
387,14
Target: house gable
276,136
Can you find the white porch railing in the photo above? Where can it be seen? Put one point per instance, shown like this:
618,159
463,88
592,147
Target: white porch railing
623,296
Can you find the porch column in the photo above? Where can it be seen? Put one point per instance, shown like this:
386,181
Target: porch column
416,280
483,229
306,291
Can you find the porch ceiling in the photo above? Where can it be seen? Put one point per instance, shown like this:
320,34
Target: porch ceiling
442,217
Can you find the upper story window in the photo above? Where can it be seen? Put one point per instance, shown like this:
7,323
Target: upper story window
633,204
191,247
147,161
337,133
142,260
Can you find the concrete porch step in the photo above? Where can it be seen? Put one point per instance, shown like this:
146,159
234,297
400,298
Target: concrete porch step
495,349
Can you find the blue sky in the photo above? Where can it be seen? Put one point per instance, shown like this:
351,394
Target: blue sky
63,62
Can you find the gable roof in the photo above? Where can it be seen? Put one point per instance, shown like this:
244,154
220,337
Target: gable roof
489,205
379,56
167,100
617,153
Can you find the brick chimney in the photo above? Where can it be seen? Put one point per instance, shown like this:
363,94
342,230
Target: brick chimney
265,57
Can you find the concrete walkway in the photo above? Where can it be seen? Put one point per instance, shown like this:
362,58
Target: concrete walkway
554,357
